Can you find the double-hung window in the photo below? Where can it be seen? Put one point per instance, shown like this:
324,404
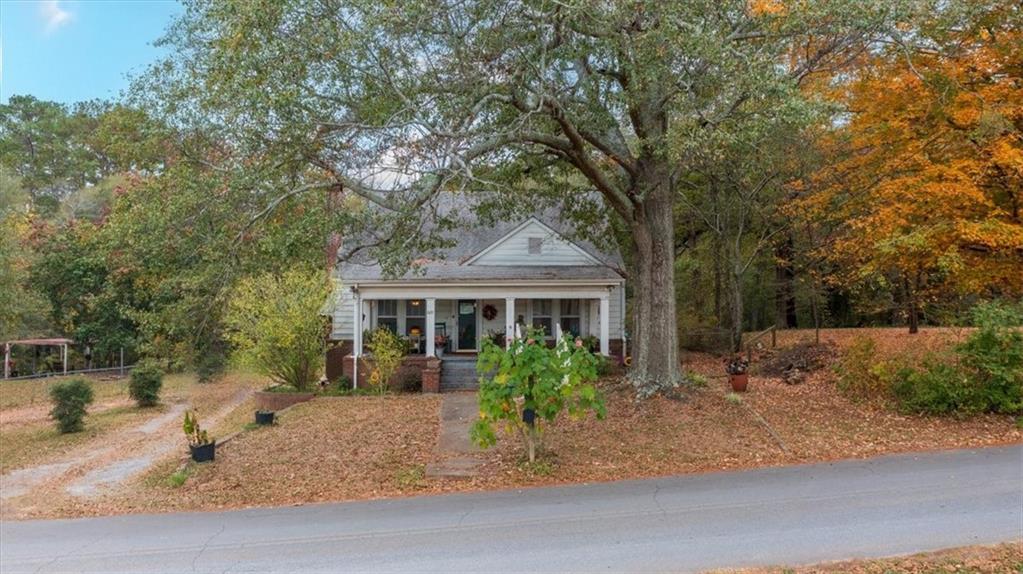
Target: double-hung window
570,317
542,316
387,314
415,317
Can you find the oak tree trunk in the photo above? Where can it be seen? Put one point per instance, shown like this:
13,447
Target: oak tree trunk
655,356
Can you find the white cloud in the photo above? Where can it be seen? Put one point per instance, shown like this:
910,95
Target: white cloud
53,15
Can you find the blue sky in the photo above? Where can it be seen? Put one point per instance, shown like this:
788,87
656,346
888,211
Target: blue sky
70,51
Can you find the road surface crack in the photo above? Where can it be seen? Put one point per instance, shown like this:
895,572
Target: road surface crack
207,544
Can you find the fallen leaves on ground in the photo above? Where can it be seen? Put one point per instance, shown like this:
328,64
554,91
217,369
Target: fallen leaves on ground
999,559
348,448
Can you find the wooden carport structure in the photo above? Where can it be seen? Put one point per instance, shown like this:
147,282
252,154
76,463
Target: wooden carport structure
52,342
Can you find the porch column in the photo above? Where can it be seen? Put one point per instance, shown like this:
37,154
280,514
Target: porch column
7,360
356,340
605,325
63,355
509,321
431,316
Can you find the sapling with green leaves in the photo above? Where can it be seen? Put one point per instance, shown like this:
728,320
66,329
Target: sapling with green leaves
526,386
197,436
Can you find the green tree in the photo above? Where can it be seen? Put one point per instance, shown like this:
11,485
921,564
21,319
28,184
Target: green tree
275,325
393,102
528,385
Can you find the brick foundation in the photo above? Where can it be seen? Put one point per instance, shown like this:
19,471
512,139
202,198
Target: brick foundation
266,401
412,364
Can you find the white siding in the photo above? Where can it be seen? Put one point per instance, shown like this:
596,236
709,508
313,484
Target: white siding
617,315
344,310
514,249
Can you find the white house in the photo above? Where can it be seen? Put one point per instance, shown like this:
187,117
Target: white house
526,273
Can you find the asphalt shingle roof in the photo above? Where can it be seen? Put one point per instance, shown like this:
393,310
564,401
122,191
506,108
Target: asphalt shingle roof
473,237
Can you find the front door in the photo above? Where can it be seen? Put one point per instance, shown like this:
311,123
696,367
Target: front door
466,325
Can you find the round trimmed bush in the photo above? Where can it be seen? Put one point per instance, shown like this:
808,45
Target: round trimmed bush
70,400
146,381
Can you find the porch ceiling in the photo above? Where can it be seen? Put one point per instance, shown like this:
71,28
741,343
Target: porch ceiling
470,291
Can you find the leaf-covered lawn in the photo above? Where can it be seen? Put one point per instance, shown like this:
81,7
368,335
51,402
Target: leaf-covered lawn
347,448
1000,559
333,448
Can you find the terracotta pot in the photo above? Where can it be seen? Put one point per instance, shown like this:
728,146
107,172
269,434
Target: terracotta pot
739,382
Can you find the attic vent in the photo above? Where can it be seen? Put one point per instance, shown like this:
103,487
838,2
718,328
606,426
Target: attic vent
535,244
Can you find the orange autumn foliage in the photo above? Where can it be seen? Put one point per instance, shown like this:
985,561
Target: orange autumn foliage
924,182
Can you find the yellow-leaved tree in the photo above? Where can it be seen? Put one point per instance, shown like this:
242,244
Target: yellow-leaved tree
275,325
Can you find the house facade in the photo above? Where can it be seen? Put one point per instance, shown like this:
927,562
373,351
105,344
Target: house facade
494,282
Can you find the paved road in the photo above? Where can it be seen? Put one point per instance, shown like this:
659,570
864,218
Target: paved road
885,506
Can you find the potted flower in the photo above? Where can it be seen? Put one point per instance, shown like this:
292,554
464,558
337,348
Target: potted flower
738,376
202,446
440,342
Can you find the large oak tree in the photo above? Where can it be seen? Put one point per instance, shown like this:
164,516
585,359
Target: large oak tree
394,102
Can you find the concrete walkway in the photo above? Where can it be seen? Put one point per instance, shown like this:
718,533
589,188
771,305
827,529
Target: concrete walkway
789,515
455,451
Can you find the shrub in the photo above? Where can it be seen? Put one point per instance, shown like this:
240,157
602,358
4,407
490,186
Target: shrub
276,327
861,375
210,365
987,377
70,401
938,389
529,384
387,351
146,381
993,356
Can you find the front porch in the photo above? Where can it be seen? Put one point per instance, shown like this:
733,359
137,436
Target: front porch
445,325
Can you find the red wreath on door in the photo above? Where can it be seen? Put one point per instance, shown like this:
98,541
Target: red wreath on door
489,312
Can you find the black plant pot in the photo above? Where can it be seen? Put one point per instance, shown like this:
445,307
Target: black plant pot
528,416
264,418
203,452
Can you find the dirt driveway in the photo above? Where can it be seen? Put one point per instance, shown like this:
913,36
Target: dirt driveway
110,457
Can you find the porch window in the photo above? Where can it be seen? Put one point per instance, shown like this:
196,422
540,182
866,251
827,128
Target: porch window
542,316
415,317
387,314
570,317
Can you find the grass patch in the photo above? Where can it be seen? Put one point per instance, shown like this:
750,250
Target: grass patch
178,478
411,477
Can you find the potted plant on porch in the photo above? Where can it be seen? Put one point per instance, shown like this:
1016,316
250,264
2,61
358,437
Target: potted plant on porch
738,377
203,448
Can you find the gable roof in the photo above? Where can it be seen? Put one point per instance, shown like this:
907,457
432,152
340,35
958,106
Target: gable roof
473,240
479,258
